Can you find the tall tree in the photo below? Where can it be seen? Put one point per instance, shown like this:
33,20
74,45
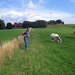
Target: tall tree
59,21
41,23
9,25
51,22
26,24
2,24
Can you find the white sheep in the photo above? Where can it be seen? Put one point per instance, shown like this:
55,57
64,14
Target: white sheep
54,37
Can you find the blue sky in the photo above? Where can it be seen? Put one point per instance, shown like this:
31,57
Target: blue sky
32,10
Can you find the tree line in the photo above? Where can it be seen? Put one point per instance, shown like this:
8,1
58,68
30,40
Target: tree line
53,22
25,24
36,24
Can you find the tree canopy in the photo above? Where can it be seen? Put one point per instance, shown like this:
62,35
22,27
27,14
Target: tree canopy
36,24
59,21
9,25
2,24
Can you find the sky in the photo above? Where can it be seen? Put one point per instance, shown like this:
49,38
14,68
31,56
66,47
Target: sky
32,10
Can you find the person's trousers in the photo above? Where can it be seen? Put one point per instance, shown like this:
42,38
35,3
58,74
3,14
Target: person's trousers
26,42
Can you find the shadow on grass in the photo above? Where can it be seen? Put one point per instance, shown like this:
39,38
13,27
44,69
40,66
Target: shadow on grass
70,37
49,41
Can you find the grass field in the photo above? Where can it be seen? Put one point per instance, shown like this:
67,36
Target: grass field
6,35
44,57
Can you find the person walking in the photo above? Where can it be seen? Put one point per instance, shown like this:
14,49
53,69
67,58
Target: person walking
26,35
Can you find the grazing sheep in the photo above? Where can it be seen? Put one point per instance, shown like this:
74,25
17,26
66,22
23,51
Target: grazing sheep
54,37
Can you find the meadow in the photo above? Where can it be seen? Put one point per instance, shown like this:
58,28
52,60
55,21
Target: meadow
43,56
9,34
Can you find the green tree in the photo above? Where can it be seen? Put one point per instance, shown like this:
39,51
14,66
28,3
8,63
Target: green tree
26,24
35,24
52,22
59,21
41,23
9,25
62,22
2,24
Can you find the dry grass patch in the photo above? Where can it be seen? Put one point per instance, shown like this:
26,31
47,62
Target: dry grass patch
8,49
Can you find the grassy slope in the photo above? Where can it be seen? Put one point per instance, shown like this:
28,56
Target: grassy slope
44,57
6,35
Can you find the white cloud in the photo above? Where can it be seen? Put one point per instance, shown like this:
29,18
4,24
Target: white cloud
32,12
42,1
31,5
32,15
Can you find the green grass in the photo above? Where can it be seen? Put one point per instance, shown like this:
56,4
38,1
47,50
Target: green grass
6,35
44,57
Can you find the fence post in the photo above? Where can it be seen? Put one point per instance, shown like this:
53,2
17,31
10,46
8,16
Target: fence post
0,43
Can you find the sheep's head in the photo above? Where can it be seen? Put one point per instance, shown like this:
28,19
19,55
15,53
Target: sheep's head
59,40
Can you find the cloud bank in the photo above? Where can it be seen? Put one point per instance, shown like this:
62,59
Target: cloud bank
31,11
